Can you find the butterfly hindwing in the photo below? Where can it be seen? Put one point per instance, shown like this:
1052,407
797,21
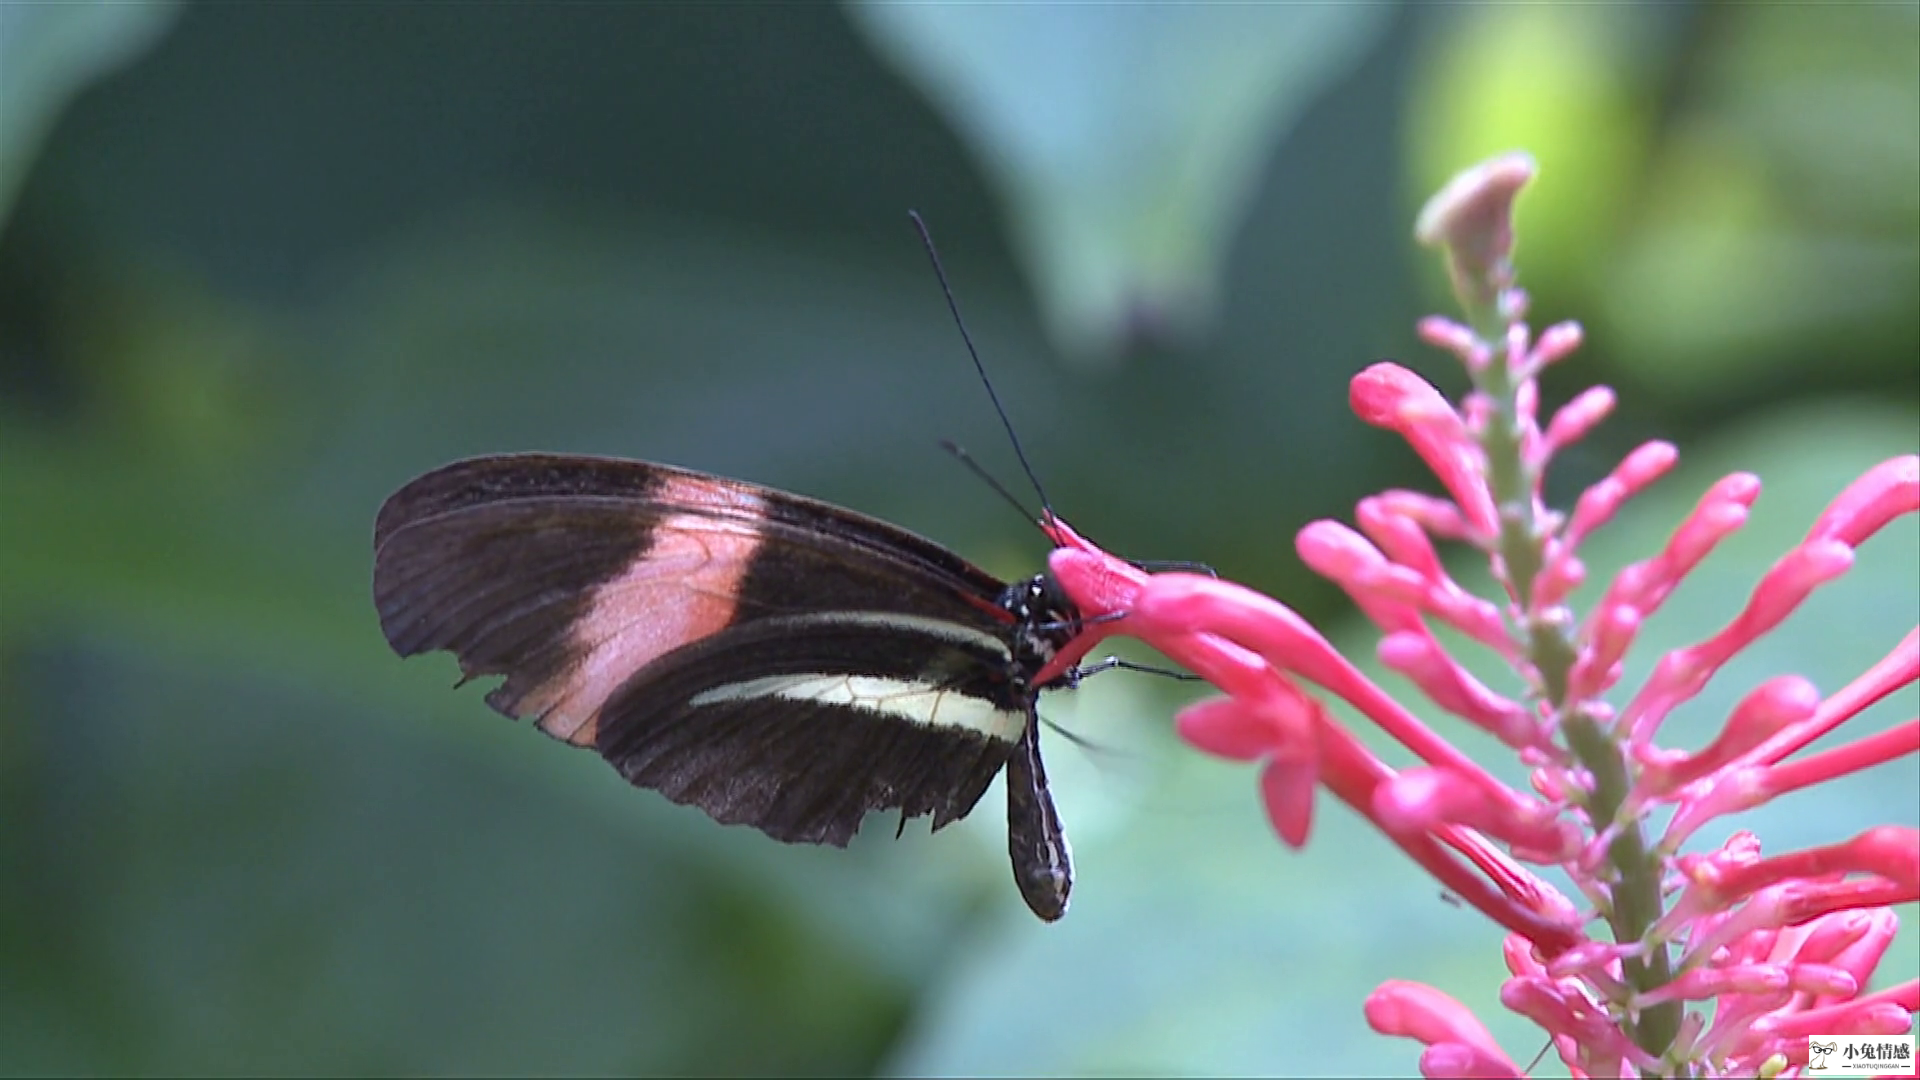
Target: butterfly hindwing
800,726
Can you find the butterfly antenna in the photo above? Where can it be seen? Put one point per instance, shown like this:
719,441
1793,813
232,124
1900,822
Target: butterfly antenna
966,459
953,305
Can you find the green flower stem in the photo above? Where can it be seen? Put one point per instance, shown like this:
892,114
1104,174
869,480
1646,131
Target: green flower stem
1636,899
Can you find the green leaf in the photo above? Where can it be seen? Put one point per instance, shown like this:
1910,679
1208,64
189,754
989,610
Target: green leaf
48,54
1198,945
1125,139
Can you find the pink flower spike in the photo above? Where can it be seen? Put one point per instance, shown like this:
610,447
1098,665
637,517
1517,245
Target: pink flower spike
1576,419
1884,492
1418,656
1390,396
1411,1010
1225,728
1774,704
1420,800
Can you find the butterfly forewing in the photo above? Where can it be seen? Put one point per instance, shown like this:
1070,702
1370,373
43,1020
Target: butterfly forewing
643,610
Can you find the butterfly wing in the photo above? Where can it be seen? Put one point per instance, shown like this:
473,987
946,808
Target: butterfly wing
613,595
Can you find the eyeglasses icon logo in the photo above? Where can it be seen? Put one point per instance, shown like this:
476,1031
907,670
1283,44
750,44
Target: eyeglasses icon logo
1817,1054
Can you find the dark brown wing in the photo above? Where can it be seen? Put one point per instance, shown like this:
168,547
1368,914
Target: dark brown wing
570,574
802,725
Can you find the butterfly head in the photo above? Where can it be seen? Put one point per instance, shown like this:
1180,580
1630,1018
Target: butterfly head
1045,621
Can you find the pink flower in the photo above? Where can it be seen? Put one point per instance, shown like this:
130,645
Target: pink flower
1782,944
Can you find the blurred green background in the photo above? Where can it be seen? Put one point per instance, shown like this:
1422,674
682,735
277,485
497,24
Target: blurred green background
261,263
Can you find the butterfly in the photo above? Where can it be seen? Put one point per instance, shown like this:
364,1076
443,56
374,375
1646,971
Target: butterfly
773,660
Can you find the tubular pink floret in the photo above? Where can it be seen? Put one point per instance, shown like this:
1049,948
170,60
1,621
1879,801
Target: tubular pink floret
1416,655
1683,673
1563,573
1789,903
1562,1010
1532,440
1597,505
1895,670
1884,492
1884,1012
1609,635
1454,337
1895,742
1225,728
1585,960
1576,420
1286,790
1860,955
1827,939
1400,537
1734,788
1519,340
1413,579
1701,984
1388,594
1729,790
1556,343
1438,517
1390,396
1771,707
1720,512
1415,1011
1447,1061
1173,604
1424,799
